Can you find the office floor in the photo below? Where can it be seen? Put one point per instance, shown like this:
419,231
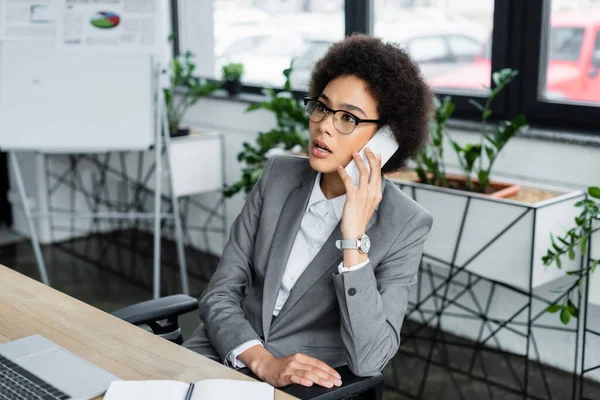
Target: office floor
104,272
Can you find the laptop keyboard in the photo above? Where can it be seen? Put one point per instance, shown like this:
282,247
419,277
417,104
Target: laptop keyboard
17,383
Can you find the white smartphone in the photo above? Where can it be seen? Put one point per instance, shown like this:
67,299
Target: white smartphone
383,142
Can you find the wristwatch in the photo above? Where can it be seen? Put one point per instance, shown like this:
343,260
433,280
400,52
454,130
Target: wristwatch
362,244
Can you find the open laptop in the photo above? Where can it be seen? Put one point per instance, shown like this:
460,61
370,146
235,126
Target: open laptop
36,368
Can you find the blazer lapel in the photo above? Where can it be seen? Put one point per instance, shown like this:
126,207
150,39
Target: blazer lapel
326,261
281,245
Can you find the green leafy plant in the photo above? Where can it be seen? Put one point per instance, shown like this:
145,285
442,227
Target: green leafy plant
233,71
577,237
289,135
430,163
476,159
185,89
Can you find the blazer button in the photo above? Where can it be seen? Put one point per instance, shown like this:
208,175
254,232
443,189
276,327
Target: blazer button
352,291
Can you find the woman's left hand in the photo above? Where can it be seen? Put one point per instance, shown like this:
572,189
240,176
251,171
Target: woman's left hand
361,200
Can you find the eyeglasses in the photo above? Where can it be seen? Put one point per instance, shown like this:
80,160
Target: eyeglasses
343,121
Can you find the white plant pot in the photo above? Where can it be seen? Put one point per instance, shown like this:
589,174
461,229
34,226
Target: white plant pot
196,164
497,239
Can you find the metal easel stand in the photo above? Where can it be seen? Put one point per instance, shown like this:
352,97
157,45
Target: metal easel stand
161,134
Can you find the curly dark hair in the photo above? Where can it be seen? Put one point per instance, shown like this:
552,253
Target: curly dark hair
404,100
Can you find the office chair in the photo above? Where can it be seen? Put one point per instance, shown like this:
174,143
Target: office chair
160,316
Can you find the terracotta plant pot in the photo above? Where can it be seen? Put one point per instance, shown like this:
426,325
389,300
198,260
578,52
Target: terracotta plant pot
500,190
495,189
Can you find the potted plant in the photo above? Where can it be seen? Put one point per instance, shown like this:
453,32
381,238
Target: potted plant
290,135
232,78
184,91
474,219
574,244
476,159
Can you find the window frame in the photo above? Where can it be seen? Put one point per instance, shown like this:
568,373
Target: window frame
175,28
516,43
540,111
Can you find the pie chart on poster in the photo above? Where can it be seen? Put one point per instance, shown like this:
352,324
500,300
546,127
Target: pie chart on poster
105,20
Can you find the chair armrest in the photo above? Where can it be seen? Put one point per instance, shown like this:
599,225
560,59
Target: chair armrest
370,388
363,388
157,309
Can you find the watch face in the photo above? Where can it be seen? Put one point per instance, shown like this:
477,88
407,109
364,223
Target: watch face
365,244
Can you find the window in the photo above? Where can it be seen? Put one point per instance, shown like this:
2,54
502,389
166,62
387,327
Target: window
446,39
304,63
554,45
464,48
266,36
240,46
560,83
428,50
571,65
565,43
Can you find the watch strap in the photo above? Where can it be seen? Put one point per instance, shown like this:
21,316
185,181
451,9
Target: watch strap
347,244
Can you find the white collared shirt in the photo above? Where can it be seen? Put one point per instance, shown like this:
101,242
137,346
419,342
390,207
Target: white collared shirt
320,219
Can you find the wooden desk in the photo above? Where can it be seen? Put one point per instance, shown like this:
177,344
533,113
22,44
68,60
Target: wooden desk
28,307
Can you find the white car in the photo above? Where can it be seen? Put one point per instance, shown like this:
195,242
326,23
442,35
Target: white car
434,52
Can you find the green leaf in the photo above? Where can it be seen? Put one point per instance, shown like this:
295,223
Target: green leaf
594,191
554,245
594,265
490,152
554,308
446,109
573,309
253,106
471,153
456,146
558,262
583,245
547,260
571,253
565,315
504,76
483,180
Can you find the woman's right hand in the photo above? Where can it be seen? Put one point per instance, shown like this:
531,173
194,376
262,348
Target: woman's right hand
298,368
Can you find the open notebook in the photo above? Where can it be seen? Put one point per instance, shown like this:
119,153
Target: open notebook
206,389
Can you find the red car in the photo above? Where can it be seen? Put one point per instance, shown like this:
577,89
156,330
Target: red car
573,69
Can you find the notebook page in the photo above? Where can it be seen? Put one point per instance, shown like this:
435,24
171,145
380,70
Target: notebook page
146,390
210,389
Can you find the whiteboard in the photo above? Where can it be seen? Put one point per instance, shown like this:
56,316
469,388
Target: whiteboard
74,103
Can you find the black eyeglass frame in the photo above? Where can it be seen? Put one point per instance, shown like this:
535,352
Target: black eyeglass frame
357,120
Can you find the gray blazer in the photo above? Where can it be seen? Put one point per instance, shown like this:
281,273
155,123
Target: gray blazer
352,318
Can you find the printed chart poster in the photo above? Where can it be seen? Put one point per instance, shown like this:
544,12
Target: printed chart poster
108,25
26,19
